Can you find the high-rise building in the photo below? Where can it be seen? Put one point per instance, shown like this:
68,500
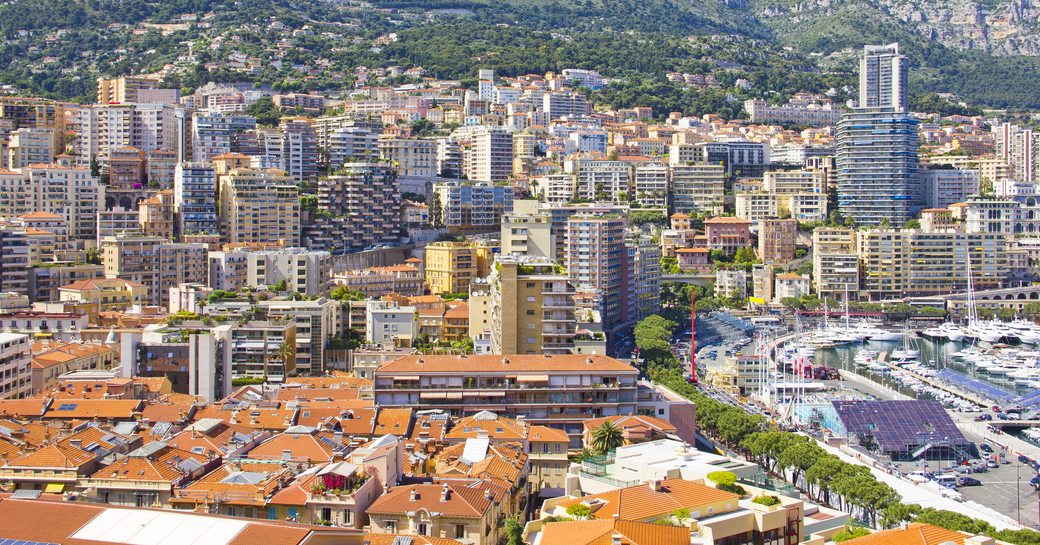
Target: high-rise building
565,104
877,166
941,187
601,180
641,278
353,143
299,150
155,263
358,207
882,78
68,191
123,88
698,187
29,146
1016,146
305,271
650,185
259,207
595,251
532,307
195,195
487,154
212,135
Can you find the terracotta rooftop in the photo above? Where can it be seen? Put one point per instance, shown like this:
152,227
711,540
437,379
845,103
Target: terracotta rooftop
464,501
489,424
601,532
913,534
393,421
98,283
94,409
640,502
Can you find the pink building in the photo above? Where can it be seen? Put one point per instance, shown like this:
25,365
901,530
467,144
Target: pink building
727,234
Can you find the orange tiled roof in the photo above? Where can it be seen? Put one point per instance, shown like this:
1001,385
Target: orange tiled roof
601,532
499,427
640,502
913,534
393,421
164,466
94,408
301,446
545,433
463,501
627,421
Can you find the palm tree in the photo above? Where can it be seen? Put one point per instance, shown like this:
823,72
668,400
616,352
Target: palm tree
607,437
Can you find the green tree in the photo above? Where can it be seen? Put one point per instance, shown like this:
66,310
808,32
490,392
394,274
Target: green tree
265,112
514,531
607,437
436,212
93,256
345,293
850,532
579,511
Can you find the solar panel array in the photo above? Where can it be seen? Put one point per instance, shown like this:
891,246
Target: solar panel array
977,386
7,541
898,426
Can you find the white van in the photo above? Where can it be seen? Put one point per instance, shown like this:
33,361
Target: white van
948,480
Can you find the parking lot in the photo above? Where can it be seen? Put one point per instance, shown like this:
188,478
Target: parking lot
1007,489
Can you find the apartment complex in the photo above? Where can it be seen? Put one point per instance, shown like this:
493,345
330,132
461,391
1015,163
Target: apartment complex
259,207
451,266
532,307
559,391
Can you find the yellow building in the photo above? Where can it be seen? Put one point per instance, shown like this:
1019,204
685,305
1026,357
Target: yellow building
107,293
451,266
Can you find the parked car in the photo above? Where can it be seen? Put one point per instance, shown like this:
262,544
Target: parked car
968,481
992,464
984,447
983,417
1024,459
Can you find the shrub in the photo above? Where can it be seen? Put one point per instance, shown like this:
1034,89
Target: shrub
768,501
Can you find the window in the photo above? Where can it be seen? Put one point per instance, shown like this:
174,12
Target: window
460,531
293,515
423,529
390,526
326,514
271,513
348,516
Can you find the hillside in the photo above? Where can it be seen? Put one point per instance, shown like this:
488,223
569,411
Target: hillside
59,47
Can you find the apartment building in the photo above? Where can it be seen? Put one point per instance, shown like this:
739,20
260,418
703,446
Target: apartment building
897,263
777,239
259,207
798,113
410,157
387,322
375,281
698,188
45,281
316,322
195,199
595,256
358,207
835,262
156,215
449,266
527,230
877,164
263,349
299,150
123,88
532,307
27,146
68,191
15,366
560,391
487,153
650,185
641,280
473,207
193,356
941,187
727,234
308,272
154,262
105,294
349,144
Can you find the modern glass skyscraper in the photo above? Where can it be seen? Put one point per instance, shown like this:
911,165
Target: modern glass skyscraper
877,144
877,166
882,78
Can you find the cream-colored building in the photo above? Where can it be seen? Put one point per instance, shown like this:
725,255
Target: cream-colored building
532,307
835,262
777,239
259,207
154,262
528,231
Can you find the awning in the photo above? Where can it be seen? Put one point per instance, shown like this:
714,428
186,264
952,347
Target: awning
453,395
485,394
409,377
54,488
432,395
533,378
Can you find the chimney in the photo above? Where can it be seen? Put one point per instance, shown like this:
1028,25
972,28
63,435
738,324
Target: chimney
339,437
445,492
655,485
615,539
286,454
487,494
414,496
